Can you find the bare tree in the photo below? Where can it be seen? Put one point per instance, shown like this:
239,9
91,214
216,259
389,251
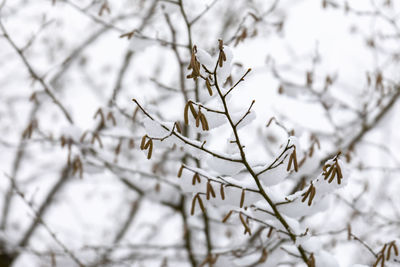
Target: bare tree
199,133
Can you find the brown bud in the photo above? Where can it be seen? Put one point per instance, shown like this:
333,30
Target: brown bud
143,142
180,171
196,178
242,198
178,127
210,189
222,192
264,256
246,227
208,85
204,122
227,216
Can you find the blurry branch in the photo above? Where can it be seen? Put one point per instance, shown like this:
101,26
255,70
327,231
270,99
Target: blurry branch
241,31
95,18
39,220
350,144
199,16
110,25
121,232
44,207
35,75
118,170
18,157
187,233
166,87
178,58
120,76
188,25
142,193
128,55
67,62
36,34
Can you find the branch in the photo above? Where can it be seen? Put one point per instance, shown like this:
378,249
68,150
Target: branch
35,75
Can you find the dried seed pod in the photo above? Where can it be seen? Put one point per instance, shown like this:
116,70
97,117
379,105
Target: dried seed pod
198,198
327,173
97,137
147,144
333,174
104,8
192,210
111,117
192,109
307,193
222,192
194,65
180,171
264,256
223,55
204,122
246,227
99,112
312,194
396,250
77,167
178,127
383,249
242,198
196,178
289,163
186,114
83,136
201,204
207,192
143,142
339,171
227,216
150,149
381,259
220,44
325,167
210,189
311,260
388,253
311,151
198,119
209,89
296,166
221,58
